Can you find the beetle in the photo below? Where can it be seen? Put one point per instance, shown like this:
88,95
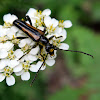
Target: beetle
39,37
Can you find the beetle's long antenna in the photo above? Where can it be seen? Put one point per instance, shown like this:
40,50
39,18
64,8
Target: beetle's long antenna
38,70
79,52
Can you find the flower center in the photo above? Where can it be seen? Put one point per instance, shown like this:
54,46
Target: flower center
3,39
39,22
56,43
15,41
26,65
39,14
61,23
11,55
7,25
8,71
50,29
26,48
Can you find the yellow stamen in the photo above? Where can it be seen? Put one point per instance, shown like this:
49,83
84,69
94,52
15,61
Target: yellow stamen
51,50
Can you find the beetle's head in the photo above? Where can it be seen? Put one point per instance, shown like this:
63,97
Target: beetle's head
50,49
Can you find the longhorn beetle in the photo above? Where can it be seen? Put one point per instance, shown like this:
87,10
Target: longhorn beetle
39,37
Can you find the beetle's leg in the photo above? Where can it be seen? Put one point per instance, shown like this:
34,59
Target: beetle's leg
28,51
27,18
44,29
35,45
14,38
41,49
21,37
55,37
44,59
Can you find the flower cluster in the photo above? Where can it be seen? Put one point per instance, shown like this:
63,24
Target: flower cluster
17,56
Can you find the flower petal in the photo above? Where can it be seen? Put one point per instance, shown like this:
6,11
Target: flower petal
8,45
41,28
18,68
34,68
31,12
28,40
14,29
63,34
8,18
10,80
3,53
13,63
2,64
54,22
58,30
34,51
50,62
22,43
18,53
47,21
13,17
64,46
31,57
19,73
25,76
67,24
46,12
39,65
2,77
1,70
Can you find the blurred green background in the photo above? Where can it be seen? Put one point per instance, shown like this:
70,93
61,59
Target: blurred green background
75,76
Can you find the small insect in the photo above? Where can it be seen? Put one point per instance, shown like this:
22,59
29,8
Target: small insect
39,37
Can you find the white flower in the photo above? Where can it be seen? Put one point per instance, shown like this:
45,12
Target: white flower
50,62
31,12
3,53
7,70
10,80
51,24
64,46
23,70
11,32
25,76
65,24
3,31
57,42
37,17
35,67
8,18
18,55
3,63
61,33
32,54
4,48
46,12
23,42
48,21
